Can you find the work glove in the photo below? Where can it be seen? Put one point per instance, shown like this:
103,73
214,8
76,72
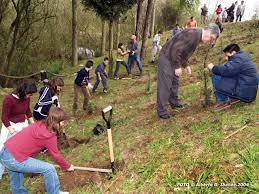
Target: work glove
71,168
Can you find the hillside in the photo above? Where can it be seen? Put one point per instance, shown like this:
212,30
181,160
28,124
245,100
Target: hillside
156,156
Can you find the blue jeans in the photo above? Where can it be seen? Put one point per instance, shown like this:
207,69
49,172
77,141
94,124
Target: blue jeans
104,82
131,63
16,169
220,98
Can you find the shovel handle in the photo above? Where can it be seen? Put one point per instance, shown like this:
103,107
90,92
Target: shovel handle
108,121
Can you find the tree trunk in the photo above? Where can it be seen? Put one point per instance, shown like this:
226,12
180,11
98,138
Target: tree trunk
153,20
103,38
146,29
110,47
74,33
138,18
118,33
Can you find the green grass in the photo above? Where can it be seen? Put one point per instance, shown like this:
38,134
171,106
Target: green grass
157,156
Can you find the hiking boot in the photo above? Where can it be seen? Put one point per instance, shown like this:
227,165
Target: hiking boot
164,116
105,91
115,78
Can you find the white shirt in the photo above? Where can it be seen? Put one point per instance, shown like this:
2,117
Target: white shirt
241,9
156,40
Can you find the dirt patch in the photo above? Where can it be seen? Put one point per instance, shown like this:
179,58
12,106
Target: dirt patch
76,179
194,173
64,142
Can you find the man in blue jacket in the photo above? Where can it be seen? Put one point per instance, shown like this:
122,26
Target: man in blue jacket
101,75
236,79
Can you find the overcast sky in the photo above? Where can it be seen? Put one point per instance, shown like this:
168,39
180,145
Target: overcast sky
250,5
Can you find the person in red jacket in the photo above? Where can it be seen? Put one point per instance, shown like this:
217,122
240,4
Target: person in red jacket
219,11
16,113
17,153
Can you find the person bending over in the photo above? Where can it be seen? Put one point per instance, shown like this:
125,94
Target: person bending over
101,75
17,153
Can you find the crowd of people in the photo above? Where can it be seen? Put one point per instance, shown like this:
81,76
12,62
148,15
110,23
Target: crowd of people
226,15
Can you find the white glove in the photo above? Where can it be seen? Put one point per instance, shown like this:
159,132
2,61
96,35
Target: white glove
210,66
90,86
178,72
54,98
71,168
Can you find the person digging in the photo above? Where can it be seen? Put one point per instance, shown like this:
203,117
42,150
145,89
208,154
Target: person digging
172,58
236,80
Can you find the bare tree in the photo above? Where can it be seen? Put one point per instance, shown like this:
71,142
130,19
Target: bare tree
74,33
28,13
146,29
110,46
153,20
103,37
138,18
118,32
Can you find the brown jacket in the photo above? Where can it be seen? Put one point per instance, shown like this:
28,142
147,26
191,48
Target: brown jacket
181,47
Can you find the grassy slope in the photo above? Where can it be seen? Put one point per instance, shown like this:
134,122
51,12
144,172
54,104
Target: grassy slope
155,155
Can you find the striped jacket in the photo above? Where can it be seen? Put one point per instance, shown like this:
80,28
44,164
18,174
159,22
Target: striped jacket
45,101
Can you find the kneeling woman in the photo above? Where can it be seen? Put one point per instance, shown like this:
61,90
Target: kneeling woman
237,79
17,152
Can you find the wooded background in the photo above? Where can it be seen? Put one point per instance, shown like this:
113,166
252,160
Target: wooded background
34,33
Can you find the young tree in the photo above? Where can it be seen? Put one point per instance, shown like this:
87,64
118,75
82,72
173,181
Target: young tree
74,33
111,11
146,29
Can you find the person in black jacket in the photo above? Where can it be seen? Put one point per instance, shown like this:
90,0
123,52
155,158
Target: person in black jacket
48,97
236,79
230,12
82,84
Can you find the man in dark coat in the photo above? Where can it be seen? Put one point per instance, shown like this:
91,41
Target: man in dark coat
235,79
173,56
231,11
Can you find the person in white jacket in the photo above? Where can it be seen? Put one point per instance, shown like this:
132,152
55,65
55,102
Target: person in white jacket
240,11
156,45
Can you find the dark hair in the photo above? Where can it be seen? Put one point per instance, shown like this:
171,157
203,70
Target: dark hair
191,17
89,64
56,82
120,46
219,5
55,116
25,88
176,24
231,47
106,59
160,32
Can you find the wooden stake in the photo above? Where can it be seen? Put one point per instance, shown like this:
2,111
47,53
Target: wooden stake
235,132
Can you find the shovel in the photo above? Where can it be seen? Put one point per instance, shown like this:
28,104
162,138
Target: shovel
109,131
